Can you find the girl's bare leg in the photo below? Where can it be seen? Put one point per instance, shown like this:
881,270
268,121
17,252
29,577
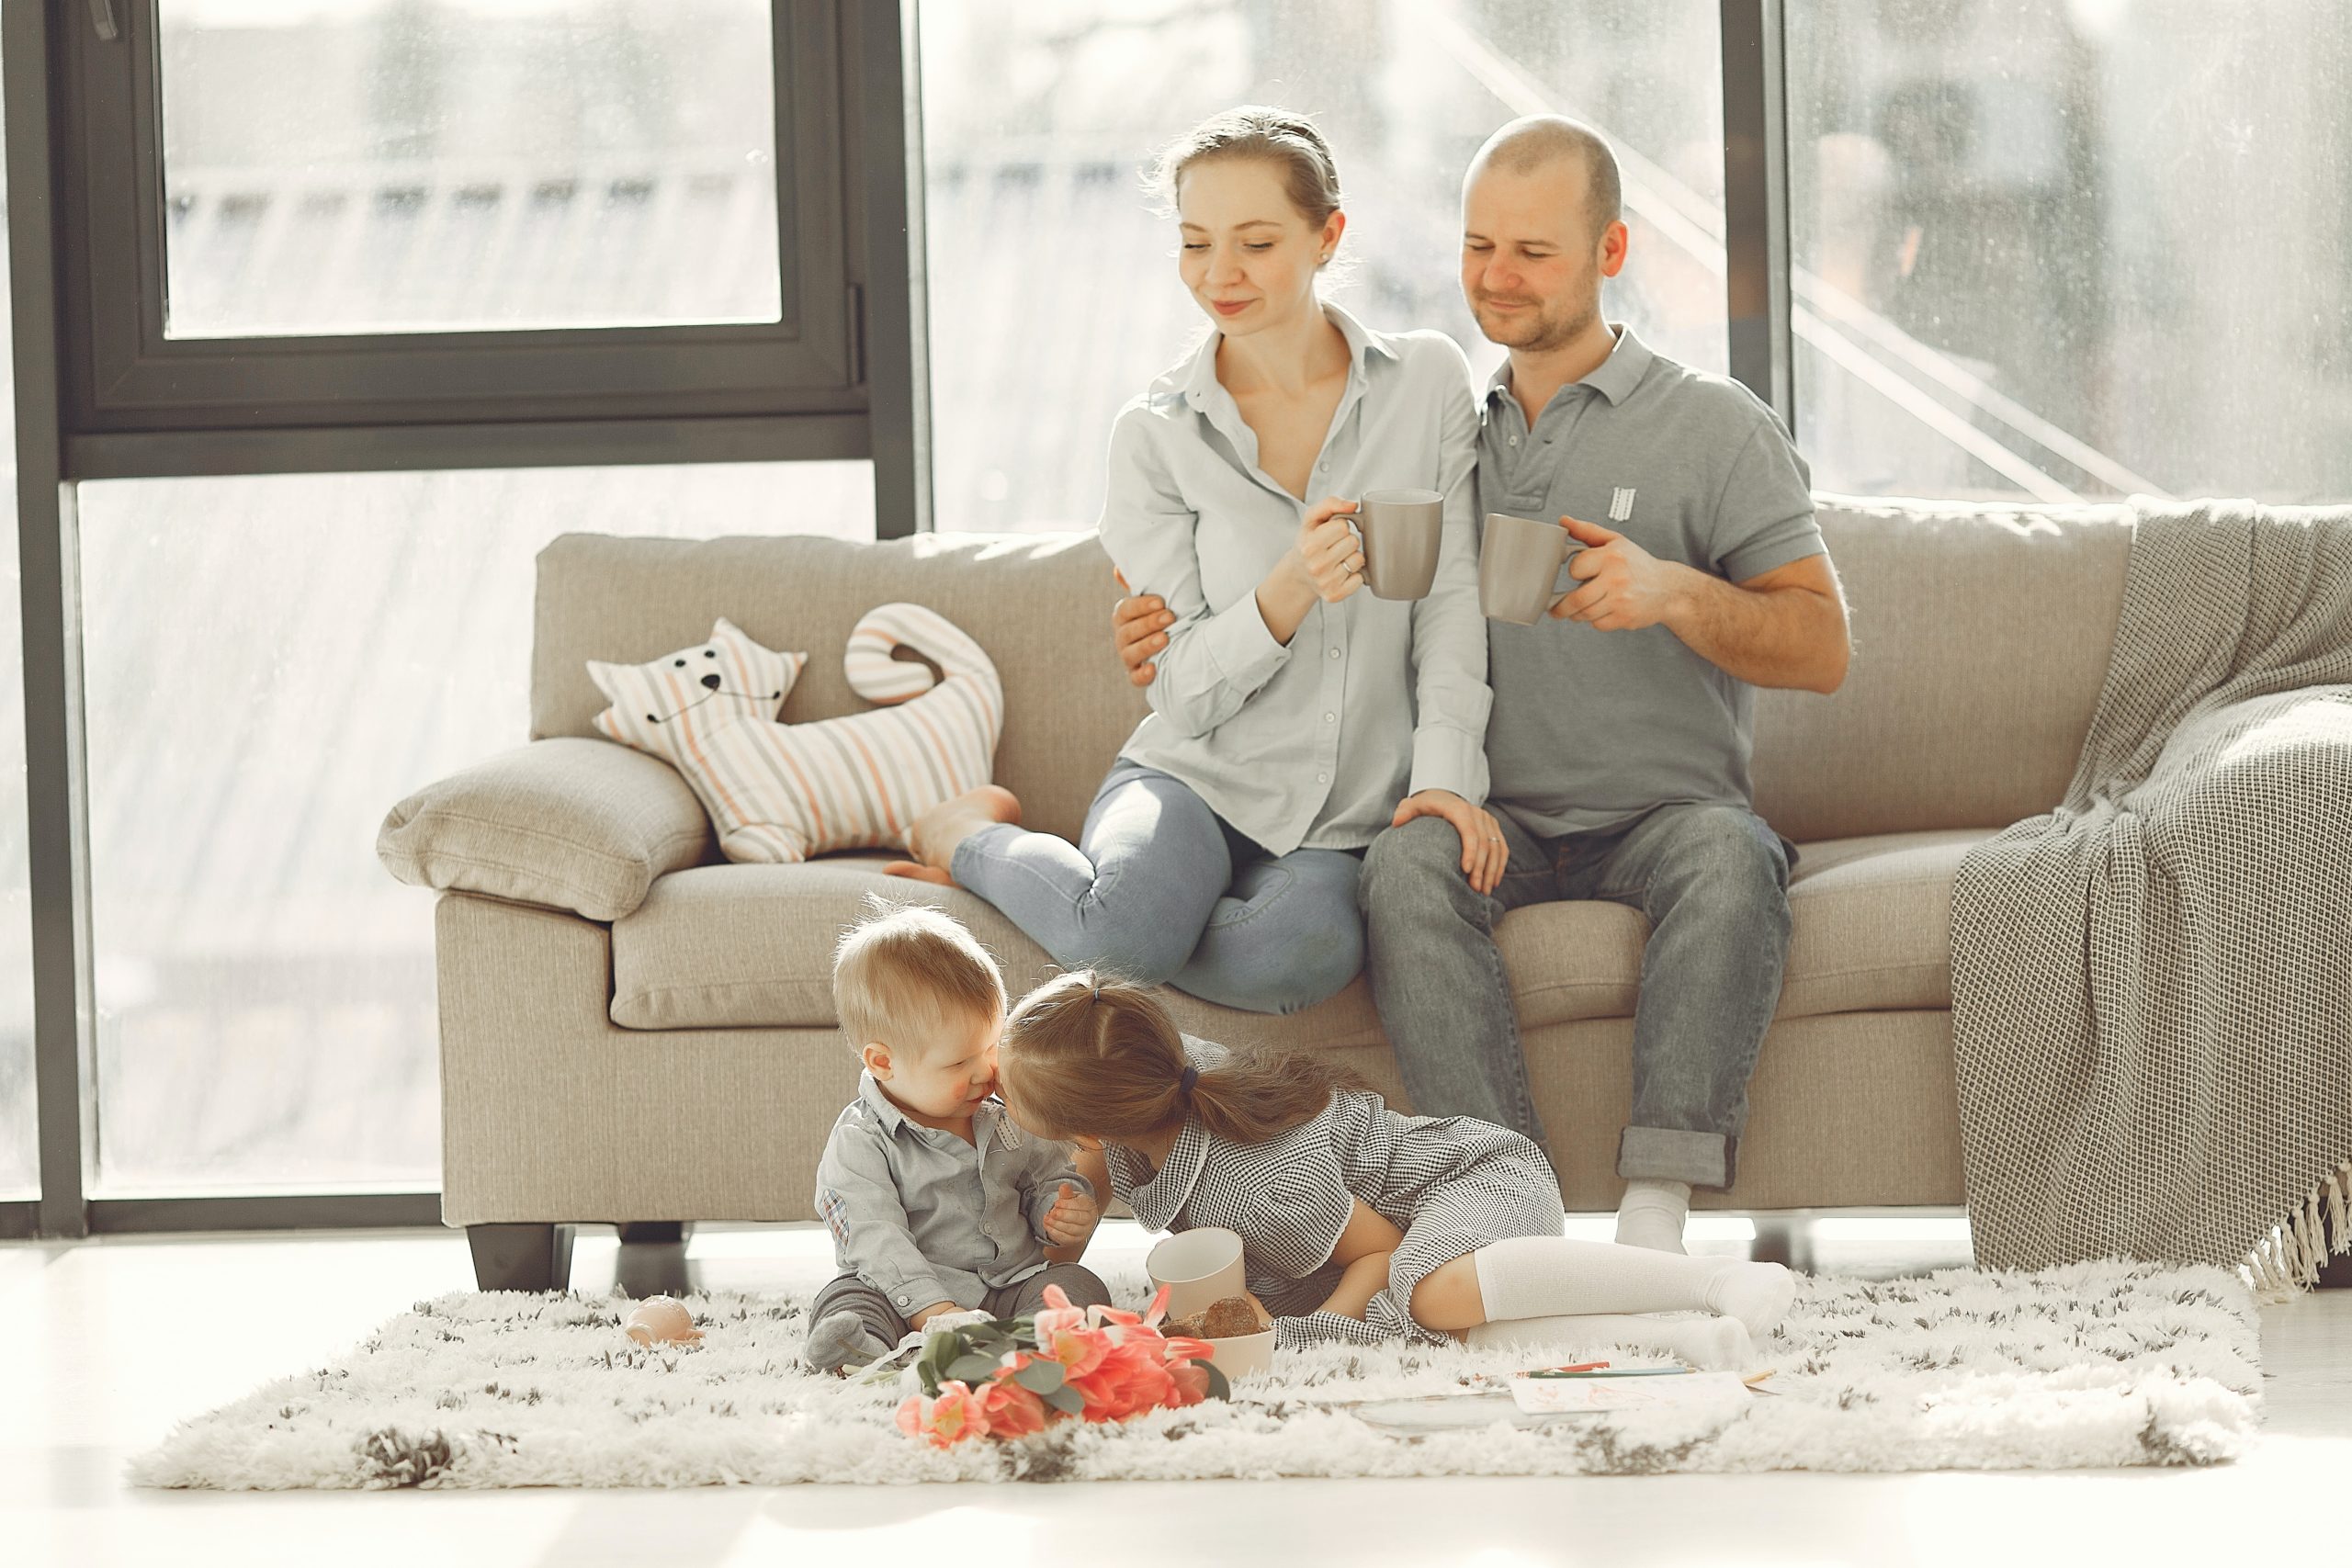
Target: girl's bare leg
1364,1278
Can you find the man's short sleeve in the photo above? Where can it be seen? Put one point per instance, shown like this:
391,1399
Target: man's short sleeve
1764,518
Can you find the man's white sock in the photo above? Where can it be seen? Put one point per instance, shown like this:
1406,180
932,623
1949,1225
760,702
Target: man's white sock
1652,1214
1548,1276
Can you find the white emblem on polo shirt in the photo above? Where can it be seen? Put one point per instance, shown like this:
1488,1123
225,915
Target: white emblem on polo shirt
1621,505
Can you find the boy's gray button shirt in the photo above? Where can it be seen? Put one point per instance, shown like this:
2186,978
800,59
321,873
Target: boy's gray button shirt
1591,728
923,1216
1308,744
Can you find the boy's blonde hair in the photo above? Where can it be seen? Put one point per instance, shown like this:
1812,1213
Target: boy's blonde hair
906,977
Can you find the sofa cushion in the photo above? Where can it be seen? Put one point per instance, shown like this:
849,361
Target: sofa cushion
750,946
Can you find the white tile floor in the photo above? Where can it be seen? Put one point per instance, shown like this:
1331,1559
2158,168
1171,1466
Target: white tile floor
113,1340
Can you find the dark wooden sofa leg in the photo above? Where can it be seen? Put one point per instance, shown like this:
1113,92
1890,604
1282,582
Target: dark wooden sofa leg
1783,1238
653,1233
521,1257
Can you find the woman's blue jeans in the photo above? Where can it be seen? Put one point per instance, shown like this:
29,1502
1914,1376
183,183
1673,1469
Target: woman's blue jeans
1159,889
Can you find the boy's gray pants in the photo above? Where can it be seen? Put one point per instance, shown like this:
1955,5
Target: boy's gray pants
847,1292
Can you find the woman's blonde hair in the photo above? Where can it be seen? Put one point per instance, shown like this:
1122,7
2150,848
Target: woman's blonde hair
1084,1054
1275,136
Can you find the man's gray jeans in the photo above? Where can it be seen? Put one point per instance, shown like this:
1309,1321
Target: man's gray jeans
1713,881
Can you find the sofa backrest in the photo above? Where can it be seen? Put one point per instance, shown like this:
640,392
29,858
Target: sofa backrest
1981,637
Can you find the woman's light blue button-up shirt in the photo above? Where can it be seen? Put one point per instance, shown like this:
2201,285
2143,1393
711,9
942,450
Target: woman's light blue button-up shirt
1313,744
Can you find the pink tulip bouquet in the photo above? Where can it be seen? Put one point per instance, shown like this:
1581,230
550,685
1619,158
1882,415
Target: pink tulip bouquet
1009,1377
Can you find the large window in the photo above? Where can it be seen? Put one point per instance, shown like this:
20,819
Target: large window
2080,249
270,664
1054,296
471,163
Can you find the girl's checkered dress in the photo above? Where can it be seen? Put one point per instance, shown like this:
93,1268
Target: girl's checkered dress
1450,1183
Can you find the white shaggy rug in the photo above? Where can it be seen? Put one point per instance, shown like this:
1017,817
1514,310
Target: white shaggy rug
2086,1366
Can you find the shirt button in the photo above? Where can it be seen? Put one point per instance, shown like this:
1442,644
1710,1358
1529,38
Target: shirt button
902,1301
1335,653
1322,778
1330,718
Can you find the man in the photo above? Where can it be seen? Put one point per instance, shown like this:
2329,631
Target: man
1621,732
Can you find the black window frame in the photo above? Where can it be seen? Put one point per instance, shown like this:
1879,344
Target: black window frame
787,389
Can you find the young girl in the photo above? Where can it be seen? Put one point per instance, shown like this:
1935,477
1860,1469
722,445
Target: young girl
1357,1224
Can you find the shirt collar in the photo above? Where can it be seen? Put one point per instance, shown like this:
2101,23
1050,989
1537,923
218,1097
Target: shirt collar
988,1119
1200,380
1156,1201
1614,377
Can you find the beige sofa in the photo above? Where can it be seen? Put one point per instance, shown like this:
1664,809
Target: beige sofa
631,1033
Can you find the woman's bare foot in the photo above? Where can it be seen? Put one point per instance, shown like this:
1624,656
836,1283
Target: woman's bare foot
935,834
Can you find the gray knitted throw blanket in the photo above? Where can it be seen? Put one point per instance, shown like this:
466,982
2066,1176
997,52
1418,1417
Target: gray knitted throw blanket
2151,985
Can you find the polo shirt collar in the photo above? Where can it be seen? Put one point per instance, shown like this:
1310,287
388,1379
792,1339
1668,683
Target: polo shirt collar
1200,380
1614,377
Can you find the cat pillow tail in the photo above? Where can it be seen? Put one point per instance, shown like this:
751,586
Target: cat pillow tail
780,793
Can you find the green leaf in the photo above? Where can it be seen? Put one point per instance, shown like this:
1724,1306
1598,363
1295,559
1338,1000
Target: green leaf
1219,1387
1040,1377
971,1368
1066,1400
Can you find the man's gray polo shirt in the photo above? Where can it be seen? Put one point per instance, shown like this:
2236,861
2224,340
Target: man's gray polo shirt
1590,730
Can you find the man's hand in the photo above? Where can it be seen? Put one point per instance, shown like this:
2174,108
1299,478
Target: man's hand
1139,626
1485,853
1625,587
1071,1219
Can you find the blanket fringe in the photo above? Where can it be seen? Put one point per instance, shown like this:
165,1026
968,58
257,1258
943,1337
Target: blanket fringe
2287,1262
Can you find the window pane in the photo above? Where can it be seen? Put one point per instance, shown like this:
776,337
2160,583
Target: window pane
408,165
1054,296
2079,249
271,663
19,1157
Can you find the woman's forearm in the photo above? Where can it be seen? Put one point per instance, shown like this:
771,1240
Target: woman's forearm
1284,597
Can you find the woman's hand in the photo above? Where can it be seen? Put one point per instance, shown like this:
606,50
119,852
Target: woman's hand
1328,550
1139,626
1485,853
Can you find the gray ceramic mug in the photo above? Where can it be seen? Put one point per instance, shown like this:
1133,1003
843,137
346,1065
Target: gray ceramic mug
1519,568
1401,530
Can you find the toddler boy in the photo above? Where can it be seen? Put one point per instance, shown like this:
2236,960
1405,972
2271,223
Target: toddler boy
938,1201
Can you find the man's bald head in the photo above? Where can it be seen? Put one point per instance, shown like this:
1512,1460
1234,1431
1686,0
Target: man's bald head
1535,142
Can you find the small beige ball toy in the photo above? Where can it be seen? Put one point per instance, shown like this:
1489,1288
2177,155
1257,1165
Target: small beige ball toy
661,1320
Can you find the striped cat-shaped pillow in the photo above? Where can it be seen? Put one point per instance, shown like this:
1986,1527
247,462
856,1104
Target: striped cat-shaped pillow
779,793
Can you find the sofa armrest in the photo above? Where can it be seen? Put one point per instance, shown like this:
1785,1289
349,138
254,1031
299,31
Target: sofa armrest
568,823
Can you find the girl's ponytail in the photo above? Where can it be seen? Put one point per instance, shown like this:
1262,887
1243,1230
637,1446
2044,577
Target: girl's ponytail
1086,1055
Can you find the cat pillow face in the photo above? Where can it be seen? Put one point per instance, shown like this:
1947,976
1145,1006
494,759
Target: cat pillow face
675,705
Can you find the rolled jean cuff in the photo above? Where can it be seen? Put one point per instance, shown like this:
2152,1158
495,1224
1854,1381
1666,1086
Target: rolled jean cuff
1670,1153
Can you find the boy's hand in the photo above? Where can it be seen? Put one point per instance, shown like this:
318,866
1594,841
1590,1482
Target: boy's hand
1072,1217
922,1319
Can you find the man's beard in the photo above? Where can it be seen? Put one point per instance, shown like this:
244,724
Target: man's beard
1539,334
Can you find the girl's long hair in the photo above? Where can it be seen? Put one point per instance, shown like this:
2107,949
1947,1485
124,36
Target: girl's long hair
1088,1055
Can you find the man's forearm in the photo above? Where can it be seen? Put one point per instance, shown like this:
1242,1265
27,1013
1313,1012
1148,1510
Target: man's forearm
1784,636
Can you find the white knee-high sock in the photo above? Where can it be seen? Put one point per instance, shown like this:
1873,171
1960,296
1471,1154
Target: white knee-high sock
1652,1214
1547,1276
1710,1344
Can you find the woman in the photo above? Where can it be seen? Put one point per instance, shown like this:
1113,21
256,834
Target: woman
1292,710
